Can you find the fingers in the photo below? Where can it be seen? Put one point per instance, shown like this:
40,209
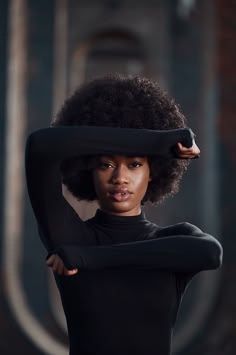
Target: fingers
60,267
51,259
188,153
70,272
57,265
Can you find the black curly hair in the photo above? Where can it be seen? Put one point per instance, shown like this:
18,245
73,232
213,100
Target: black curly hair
126,102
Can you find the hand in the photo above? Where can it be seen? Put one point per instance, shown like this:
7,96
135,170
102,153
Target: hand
188,153
57,265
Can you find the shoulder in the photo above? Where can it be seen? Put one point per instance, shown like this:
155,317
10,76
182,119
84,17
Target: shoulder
188,228
182,228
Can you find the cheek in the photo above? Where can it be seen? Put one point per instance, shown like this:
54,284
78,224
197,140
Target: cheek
141,182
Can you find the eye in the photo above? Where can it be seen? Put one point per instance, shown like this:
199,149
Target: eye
104,165
136,164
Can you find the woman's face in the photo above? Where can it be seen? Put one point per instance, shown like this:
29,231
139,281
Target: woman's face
120,183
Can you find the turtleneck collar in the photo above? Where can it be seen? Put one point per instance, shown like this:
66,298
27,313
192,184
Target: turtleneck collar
103,217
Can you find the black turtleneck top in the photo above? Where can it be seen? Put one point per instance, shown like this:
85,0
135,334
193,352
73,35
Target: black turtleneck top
132,273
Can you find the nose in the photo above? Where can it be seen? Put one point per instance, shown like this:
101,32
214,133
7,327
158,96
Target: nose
120,175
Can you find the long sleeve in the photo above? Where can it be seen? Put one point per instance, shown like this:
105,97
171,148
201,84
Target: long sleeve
47,148
177,253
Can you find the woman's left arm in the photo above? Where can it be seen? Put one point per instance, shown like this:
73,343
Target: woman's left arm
189,251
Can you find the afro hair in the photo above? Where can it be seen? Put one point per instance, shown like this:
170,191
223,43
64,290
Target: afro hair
126,102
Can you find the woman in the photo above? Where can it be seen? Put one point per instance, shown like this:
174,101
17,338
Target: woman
120,141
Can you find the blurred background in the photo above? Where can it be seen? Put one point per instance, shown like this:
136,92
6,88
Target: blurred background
47,49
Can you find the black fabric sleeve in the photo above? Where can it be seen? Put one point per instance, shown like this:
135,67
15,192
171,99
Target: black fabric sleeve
178,253
46,148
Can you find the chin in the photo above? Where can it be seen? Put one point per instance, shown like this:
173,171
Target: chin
118,207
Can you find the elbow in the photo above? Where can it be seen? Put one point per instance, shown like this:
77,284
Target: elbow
215,255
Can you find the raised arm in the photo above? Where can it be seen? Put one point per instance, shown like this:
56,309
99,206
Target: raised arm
177,253
47,148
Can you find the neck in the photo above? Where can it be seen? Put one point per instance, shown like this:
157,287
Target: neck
134,212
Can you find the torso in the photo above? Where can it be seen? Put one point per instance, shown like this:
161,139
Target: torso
120,311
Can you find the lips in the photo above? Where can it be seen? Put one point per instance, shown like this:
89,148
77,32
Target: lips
119,195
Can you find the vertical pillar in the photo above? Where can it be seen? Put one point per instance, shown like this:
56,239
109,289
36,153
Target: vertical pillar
15,121
60,54
16,118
